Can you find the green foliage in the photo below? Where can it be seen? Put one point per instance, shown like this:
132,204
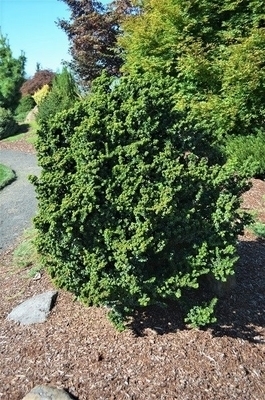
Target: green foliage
117,318
202,315
216,51
239,108
161,34
63,94
249,147
8,125
6,176
12,72
259,229
26,103
134,204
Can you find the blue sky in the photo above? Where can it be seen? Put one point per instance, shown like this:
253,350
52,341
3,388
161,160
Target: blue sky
30,26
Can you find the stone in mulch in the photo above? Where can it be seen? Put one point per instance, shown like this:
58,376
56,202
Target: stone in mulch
47,393
35,309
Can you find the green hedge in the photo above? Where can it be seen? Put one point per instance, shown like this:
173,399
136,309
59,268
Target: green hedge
133,207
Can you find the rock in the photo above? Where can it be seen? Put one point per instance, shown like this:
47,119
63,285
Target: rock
35,309
47,393
31,116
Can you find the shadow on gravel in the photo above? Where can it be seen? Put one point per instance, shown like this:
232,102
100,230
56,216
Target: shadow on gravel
239,314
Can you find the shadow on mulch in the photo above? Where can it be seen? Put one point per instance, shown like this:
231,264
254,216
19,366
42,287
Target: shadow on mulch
71,395
161,319
243,312
240,314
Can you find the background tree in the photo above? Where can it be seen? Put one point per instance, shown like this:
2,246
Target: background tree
62,96
12,75
92,32
164,31
39,79
215,50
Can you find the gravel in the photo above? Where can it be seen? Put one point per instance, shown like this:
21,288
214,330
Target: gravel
18,203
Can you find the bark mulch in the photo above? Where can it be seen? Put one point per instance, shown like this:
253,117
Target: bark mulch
157,357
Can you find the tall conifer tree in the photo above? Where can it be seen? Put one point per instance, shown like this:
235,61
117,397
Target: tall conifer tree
12,75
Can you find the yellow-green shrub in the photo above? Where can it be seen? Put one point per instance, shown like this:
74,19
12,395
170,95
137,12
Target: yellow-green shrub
40,94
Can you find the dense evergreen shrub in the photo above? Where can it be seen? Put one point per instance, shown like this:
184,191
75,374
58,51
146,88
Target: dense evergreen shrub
8,125
133,207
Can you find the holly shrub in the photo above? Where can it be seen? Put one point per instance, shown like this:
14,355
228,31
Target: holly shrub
135,206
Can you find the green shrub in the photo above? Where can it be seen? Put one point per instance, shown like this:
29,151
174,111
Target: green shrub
8,125
26,104
251,148
40,94
133,207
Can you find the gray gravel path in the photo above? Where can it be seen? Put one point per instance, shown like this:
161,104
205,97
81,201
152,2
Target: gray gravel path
18,203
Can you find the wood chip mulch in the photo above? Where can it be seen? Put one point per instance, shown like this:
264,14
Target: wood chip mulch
156,358
19,145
